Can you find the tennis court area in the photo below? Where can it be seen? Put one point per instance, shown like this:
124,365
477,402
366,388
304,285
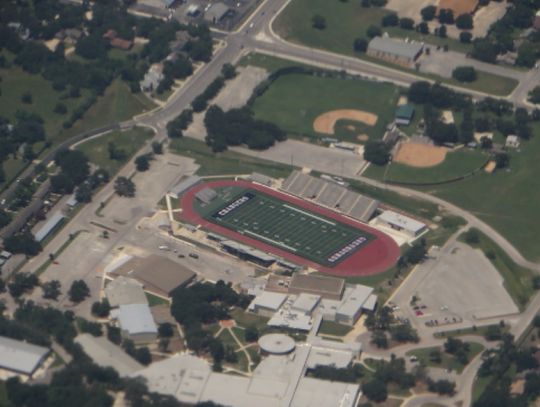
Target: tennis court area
287,226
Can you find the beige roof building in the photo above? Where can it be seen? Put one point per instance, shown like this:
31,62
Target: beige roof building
124,291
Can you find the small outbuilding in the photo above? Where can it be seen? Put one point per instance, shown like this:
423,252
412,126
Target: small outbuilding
512,141
404,115
216,13
184,185
401,223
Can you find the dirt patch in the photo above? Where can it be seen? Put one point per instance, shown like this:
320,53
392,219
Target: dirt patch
420,155
227,323
362,137
326,121
490,166
351,127
51,44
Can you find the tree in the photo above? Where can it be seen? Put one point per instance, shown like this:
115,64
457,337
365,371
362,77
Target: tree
157,147
142,163
360,45
406,23
423,27
114,334
442,387
51,289
79,291
377,152
174,128
419,92
536,286
27,98
28,154
116,153
375,390
373,31
163,344
21,283
24,243
379,339
493,333
124,187
228,71
464,22
251,334
442,31
527,55
446,16
415,254
143,356
464,74
502,160
390,20
318,22
435,356
484,50
428,13
465,37
404,333
101,309
166,330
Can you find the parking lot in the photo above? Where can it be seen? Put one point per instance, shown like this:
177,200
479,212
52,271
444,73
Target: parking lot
457,284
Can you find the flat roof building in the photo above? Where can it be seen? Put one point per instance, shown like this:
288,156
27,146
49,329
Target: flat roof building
305,303
106,354
136,322
351,308
217,13
401,223
260,179
125,291
267,304
20,358
158,274
184,185
326,287
397,52
49,226
206,195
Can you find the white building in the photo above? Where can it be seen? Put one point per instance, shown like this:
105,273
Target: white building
267,304
136,322
20,358
401,223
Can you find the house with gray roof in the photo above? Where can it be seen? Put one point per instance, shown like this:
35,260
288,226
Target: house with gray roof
397,52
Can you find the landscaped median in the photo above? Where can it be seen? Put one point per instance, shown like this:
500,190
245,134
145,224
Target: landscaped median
437,357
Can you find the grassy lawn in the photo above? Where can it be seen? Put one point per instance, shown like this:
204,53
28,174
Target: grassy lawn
240,334
333,328
3,394
58,361
244,319
447,361
455,165
130,140
507,201
517,279
480,331
293,102
268,62
228,339
479,386
228,162
241,364
154,300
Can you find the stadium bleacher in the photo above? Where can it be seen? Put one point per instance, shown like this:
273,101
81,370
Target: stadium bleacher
331,195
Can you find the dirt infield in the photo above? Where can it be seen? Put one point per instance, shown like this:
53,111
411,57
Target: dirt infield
379,255
490,167
363,137
325,122
420,155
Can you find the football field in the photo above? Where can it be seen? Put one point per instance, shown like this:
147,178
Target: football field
289,227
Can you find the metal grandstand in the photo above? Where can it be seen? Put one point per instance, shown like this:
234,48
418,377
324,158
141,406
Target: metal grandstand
331,195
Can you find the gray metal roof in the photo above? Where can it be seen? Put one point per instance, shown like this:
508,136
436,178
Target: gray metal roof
277,343
402,221
72,201
217,12
135,318
394,47
20,356
206,195
242,248
49,226
5,254
106,354
125,291
260,178
186,184
355,300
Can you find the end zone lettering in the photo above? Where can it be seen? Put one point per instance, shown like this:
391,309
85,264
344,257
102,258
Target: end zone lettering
344,251
232,206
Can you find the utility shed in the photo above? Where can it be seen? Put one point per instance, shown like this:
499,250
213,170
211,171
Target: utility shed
401,223
20,357
397,52
404,114
106,354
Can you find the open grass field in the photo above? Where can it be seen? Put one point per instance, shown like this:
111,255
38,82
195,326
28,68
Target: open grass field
455,165
508,201
447,361
244,319
333,328
293,102
345,22
96,149
227,162
283,225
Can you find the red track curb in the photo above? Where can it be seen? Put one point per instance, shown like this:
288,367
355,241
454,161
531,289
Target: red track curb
379,255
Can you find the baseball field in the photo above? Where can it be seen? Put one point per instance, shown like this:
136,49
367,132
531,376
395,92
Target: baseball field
291,228
328,107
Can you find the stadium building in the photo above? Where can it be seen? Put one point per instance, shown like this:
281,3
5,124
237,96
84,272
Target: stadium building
401,223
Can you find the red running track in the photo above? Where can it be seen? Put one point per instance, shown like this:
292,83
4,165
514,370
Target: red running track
378,255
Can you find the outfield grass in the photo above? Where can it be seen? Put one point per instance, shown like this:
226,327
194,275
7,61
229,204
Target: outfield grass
294,101
517,279
456,164
333,328
96,149
228,162
447,361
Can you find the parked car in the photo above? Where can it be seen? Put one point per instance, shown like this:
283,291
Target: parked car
181,256
194,255
417,307
419,313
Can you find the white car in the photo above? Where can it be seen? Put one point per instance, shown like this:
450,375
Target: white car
251,25
163,248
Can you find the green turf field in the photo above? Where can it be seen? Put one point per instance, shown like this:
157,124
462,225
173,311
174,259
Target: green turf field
293,102
283,225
